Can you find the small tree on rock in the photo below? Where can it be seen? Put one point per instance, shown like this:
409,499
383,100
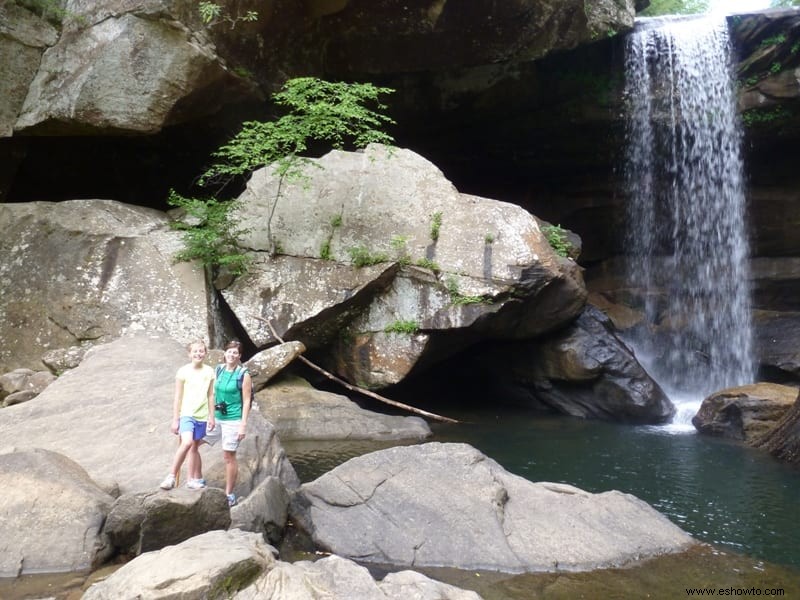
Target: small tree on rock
336,115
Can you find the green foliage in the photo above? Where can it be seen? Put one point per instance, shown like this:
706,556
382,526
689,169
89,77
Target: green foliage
400,245
410,327
488,238
773,40
775,68
52,11
457,298
427,263
210,233
675,7
784,3
436,225
244,72
795,47
750,81
760,116
362,257
335,114
325,250
213,14
557,238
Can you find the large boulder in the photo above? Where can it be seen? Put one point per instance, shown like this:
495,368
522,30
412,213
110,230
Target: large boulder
264,365
152,520
87,271
337,578
406,505
300,412
455,267
241,566
127,67
213,565
584,370
265,510
745,413
112,416
51,515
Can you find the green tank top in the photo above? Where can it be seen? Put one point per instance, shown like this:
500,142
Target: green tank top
227,392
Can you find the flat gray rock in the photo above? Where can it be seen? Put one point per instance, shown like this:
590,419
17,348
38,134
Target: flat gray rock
300,412
51,515
112,416
448,505
213,565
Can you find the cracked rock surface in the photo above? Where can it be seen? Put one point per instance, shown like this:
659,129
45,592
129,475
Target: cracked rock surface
449,505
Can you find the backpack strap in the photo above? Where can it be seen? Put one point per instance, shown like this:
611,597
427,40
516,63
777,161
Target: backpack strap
241,372
240,382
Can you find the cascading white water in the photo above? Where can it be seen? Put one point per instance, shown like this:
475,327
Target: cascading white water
687,243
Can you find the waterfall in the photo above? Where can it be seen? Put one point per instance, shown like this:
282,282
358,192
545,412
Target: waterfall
687,241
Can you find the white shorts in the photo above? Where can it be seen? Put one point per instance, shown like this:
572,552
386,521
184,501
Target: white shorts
228,431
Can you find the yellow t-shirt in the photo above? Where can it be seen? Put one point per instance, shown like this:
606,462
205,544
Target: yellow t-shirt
195,390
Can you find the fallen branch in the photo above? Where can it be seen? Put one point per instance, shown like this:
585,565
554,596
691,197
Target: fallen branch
357,389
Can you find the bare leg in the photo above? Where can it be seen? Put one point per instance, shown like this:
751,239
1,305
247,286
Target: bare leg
194,462
231,470
186,445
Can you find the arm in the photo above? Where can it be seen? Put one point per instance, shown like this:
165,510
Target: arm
211,417
176,405
247,385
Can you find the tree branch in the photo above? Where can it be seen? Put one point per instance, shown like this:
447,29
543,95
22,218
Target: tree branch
357,389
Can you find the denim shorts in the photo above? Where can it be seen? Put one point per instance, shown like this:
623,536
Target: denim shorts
193,426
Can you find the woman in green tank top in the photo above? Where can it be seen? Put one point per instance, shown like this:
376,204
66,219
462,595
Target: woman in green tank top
232,384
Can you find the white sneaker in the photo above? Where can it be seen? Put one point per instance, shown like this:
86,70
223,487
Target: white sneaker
196,484
168,483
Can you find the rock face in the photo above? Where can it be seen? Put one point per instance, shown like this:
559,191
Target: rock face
405,506
744,413
486,268
138,66
87,271
126,67
51,515
112,415
584,370
23,39
783,440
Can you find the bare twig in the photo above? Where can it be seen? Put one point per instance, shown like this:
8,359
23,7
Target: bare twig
357,389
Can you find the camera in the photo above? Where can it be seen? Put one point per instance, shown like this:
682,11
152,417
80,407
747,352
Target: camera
222,408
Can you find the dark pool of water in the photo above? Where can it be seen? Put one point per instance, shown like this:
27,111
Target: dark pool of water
719,491
736,498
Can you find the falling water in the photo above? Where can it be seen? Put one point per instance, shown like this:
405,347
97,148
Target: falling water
687,241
